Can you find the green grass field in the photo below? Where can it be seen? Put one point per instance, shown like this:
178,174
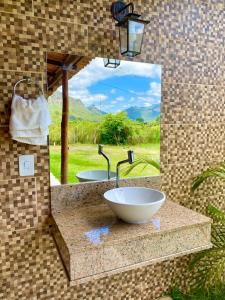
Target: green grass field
85,157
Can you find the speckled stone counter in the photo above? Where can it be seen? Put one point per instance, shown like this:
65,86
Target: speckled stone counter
93,243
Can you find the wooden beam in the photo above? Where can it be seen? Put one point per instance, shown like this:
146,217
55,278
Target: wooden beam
54,62
78,63
61,64
55,81
64,128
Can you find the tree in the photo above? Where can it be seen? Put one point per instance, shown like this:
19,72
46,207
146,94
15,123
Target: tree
115,129
140,120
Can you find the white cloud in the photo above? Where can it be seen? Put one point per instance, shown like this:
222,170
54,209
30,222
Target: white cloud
147,99
95,71
152,96
155,89
86,97
147,104
119,99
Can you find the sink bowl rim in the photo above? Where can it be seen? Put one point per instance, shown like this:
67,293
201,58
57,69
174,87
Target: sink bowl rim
81,175
136,204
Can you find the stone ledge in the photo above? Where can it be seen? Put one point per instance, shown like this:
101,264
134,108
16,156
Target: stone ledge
93,243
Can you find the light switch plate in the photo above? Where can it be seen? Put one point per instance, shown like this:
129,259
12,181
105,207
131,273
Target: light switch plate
26,165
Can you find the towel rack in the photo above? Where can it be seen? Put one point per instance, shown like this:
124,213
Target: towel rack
28,80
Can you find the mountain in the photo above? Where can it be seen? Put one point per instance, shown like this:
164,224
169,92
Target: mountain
96,110
78,111
146,113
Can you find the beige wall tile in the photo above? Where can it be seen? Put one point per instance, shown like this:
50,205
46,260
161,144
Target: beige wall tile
187,38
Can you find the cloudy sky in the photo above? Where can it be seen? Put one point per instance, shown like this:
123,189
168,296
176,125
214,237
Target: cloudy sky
112,90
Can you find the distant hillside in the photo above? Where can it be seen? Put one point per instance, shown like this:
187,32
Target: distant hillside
146,113
78,111
96,111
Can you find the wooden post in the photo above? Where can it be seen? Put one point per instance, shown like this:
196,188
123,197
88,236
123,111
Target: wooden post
64,128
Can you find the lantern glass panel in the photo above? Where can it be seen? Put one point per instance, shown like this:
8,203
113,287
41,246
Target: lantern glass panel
111,62
124,38
135,33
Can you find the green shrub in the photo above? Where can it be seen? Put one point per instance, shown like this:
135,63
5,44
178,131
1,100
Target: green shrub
55,134
214,293
208,267
84,132
115,129
140,120
144,133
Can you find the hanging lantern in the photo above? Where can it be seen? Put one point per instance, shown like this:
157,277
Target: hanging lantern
111,62
131,28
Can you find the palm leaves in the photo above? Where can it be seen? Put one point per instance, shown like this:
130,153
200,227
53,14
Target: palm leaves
145,162
216,214
214,293
208,267
218,171
210,264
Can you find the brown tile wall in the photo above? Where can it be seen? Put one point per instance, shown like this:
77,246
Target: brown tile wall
187,39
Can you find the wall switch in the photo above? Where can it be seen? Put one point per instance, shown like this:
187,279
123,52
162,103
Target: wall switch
26,165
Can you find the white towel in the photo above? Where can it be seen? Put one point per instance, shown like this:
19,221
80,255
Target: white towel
29,120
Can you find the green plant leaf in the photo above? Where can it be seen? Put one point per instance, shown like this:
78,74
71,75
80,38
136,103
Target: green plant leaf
177,294
218,171
146,162
218,236
208,268
216,292
216,214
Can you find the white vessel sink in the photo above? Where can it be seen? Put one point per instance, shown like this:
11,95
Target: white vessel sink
94,175
135,205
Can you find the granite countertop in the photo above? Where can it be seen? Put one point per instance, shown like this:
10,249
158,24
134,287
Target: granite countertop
94,243
97,226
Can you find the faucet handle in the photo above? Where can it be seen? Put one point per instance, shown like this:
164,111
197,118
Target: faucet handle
100,149
130,156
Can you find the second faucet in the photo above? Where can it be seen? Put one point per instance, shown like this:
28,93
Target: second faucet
130,160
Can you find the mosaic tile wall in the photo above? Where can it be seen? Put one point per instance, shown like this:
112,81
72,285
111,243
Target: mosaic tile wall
187,38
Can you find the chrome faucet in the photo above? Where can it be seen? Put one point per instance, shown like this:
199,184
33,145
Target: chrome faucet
130,160
100,152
